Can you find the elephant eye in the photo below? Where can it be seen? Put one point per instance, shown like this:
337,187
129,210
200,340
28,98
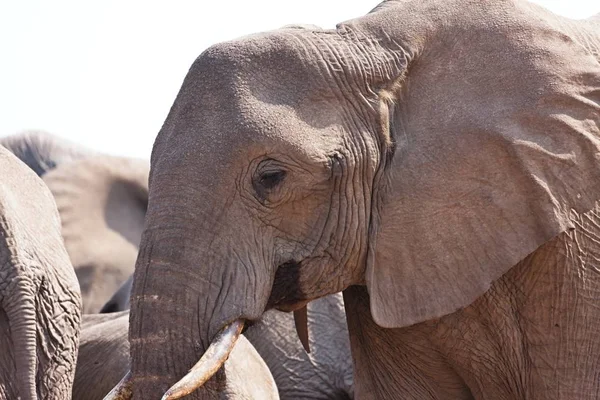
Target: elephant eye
266,181
269,180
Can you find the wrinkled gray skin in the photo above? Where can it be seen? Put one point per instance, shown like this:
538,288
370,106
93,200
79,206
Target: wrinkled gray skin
325,373
103,355
436,160
42,151
102,202
101,199
104,359
40,303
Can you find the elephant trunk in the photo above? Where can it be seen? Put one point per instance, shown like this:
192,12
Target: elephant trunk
167,332
21,318
193,278
212,360
183,298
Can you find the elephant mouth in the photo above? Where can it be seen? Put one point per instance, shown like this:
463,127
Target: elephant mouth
286,293
289,307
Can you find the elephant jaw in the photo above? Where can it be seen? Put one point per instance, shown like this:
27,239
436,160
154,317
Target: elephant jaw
211,361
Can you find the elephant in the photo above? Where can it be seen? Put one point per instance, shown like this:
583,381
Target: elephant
101,200
40,303
102,203
436,161
325,373
104,358
42,151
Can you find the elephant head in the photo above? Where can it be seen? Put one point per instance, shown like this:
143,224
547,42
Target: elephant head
421,151
102,203
40,303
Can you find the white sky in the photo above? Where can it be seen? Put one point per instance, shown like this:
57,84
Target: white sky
105,73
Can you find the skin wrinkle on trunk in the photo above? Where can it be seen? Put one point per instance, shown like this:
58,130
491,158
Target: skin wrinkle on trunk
39,311
39,292
169,350
188,274
180,347
212,360
22,320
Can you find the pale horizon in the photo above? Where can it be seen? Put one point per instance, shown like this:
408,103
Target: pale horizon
105,74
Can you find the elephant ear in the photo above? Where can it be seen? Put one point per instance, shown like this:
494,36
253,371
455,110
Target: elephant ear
102,202
497,145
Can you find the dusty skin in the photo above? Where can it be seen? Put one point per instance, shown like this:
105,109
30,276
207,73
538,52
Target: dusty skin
40,303
435,160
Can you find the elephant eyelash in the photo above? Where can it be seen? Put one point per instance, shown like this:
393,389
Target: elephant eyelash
270,179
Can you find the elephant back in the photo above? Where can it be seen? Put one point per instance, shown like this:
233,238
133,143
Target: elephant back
42,151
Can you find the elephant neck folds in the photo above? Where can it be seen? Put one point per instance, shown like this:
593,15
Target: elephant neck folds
532,335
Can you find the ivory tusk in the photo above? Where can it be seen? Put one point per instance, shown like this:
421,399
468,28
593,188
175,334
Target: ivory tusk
122,391
301,322
214,357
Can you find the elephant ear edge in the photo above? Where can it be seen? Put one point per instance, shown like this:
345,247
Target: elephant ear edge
494,156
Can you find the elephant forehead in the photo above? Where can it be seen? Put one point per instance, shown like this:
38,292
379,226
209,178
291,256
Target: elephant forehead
263,76
261,92
273,58
228,139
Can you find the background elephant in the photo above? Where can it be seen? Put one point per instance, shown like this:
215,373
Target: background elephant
40,304
324,373
104,359
435,160
102,202
42,151
103,355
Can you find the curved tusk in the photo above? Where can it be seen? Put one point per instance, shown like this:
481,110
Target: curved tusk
214,357
123,390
